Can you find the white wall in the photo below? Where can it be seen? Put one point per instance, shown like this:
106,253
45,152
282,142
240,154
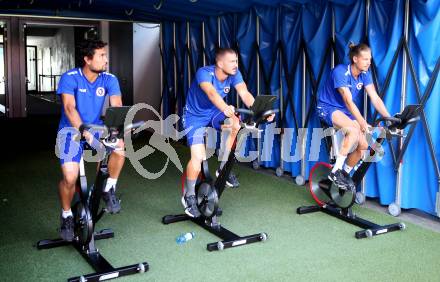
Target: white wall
146,67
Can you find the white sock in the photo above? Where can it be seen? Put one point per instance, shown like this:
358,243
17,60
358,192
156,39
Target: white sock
348,168
190,187
111,182
340,160
66,214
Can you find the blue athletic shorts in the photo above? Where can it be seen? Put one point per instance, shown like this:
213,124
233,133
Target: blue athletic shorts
325,113
198,125
70,150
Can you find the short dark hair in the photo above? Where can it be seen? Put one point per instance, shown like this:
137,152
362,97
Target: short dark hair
355,50
219,52
87,49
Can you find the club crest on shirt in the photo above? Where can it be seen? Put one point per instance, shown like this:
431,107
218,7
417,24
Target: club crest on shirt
100,91
226,89
359,86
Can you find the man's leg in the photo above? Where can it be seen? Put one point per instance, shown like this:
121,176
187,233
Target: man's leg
115,163
70,155
66,190
231,127
351,132
354,157
198,154
196,142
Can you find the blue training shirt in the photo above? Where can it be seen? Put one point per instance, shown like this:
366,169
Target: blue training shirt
341,76
197,102
89,97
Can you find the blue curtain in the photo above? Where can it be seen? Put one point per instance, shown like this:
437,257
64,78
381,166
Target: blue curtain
228,30
182,67
419,180
291,36
168,92
269,77
385,30
316,30
246,34
245,41
196,47
211,39
285,29
228,40
349,26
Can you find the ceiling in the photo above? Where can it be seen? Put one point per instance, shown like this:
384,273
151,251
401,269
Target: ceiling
134,10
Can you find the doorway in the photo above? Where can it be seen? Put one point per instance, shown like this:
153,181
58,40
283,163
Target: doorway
50,52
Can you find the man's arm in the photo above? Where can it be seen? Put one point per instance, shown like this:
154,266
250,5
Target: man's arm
116,101
248,99
213,96
376,101
69,106
244,94
351,106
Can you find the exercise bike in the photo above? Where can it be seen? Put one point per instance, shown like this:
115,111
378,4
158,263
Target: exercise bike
86,209
209,191
337,202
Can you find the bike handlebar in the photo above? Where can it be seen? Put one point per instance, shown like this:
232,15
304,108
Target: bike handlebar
113,133
98,127
258,117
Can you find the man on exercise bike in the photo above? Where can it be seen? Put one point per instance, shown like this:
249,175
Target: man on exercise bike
83,91
205,107
338,106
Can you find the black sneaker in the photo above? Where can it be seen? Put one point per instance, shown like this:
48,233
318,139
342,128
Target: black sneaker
112,203
66,229
190,205
350,183
232,180
339,179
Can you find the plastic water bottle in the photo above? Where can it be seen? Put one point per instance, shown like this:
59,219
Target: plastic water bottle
183,238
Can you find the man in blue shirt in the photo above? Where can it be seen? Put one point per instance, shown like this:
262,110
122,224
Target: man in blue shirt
83,91
338,106
205,107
